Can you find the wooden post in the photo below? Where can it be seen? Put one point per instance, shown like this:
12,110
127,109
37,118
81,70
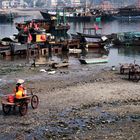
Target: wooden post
27,52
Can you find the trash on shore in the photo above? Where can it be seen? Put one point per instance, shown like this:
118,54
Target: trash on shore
50,71
113,68
43,70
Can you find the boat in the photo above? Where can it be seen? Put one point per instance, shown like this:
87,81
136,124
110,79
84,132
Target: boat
60,65
48,15
50,26
41,24
127,39
93,41
73,13
128,13
6,16
75,36
93,60
60,28
89,35
75,16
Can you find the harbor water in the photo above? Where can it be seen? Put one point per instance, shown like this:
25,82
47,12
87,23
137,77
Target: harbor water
116,56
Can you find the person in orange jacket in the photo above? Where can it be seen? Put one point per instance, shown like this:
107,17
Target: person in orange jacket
20,90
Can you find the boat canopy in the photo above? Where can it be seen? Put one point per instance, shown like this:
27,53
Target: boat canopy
92,39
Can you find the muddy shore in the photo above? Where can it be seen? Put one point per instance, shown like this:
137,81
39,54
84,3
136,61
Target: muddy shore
85,102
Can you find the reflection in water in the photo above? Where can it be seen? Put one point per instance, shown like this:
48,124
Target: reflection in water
115,56
108,27
124,55
94,53
130,51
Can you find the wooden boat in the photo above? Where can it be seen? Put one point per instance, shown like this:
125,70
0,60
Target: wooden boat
93,41
128,13
75,36
5,48
89,35
40,23
59,65
70,16
60,28
48,16
93,60
127,39
6,16
54,64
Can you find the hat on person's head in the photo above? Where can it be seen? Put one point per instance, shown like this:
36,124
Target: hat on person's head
20,81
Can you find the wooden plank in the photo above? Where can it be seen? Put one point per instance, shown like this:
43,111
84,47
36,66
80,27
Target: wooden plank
24,97
61,65
5,102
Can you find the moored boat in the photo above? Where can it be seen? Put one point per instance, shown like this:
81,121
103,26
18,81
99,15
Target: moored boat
49,26
77,15
6,16
93,60
93,41
128,13
35,24
127,39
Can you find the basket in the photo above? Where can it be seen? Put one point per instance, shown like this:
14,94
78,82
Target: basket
11,98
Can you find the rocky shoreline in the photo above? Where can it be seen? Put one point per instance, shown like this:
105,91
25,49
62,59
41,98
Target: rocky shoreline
88,102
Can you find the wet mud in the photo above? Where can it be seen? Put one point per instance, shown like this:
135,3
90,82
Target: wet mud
75,103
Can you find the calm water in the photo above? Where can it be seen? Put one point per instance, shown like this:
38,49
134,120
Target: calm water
115,56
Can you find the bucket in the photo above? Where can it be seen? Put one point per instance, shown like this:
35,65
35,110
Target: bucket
11,98
113,68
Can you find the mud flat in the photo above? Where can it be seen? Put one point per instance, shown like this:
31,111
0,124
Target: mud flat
88,102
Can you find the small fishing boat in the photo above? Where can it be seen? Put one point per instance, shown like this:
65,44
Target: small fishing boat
75,14
93,60
60,65
40,24
34,24
93,41
128,13
6,16
127,39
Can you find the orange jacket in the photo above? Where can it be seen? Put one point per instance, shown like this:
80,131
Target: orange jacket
20,93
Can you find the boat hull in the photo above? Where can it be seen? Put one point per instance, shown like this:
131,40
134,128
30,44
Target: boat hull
49,16
92,41
128,13
6,18
46,15
93,61
127,17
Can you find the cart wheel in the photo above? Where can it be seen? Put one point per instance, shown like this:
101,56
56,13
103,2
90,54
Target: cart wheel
23,109
129,75
6,109
121,70
34,101
136,78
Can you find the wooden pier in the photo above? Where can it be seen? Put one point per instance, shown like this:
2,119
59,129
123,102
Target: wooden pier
29,49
